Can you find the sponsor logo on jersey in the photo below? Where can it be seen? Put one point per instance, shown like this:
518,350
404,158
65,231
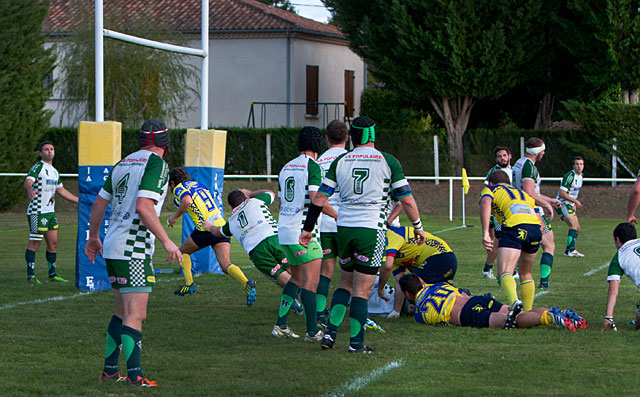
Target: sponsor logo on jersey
112,279
284,261
151,279
275,270
361,258
327,251
345,261
122,280
126,216
300,253
132,160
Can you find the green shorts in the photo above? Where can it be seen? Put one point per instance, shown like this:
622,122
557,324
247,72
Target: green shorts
39,224
361,249
546,225
132,273
270,258
329,243
298,255
565,209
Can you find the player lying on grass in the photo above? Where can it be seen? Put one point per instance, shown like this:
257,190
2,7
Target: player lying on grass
433,261
444,304
519,237
625,261
196,200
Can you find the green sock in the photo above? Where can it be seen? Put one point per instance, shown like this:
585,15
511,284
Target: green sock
289,293
51,261
30,257
358,319
132,344
339,303
571,240
114,345
546,263
321,296
308,299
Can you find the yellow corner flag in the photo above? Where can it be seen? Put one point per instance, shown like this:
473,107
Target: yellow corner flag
465,181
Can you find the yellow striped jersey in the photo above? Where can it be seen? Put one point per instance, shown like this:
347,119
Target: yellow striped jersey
510,206
434,303
202,208
403,245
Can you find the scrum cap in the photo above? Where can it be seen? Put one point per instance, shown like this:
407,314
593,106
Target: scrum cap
310,138
363,130
154,132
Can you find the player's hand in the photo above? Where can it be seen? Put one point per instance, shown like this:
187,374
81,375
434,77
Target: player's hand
172,220
549,209
632,219
421,235
207,226
246,192
393,315
173,251
305,238
31,193
578,204
487,241
382,295
92,248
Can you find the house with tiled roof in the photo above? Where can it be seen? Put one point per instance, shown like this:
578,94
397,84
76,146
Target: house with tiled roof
257,54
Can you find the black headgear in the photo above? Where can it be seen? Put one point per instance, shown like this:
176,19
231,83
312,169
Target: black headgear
310,138
362,130
154,132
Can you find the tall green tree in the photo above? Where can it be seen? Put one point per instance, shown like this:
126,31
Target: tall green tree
284,4
24,90
446,53
624,44
140,83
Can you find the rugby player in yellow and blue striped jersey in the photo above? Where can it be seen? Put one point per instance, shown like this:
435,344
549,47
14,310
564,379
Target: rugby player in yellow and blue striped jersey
520,235
195,199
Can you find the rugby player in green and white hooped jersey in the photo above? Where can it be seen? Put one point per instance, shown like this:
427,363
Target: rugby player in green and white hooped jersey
625,261
299,181
568,196
527,178
336,137
503,163
42,184
136,189
366,178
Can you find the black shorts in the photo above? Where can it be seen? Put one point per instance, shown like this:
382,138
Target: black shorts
525,237
204,239
438,268
476,312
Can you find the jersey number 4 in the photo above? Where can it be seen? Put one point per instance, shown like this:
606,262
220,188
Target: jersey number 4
121,188
359,176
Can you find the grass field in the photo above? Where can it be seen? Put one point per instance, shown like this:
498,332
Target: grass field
52,336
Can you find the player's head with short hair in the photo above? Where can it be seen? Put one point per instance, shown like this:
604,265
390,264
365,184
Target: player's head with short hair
363,130
410,284
177,176
502,156
499,177
43,143
624,232
46,151
236,198
154,133
576,158
499,149
310,138
578,164
337,132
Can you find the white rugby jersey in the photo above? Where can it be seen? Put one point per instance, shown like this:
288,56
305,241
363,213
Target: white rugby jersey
251,222
140,174
297,178
626,261
45,182
327,223
366,179
523,169
507,170
571,183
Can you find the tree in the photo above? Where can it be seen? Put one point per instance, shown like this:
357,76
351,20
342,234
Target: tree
284,4
624,44
140,83
24,90
446,53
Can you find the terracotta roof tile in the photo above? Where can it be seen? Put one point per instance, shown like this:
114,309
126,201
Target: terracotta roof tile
67,16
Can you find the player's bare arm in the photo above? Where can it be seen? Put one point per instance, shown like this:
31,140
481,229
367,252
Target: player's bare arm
146,211
319,200
395,212
411,209
213,229
529,187
566,196
634,200
185,203
612,297
485,212
326,208
385,272
94,245
67,195
28,186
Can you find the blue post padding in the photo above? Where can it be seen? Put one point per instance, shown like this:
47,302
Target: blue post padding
205,259
90,276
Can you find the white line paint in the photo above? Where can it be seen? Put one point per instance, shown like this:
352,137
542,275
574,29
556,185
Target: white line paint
46,300
594,271
361,382
540,293
449,229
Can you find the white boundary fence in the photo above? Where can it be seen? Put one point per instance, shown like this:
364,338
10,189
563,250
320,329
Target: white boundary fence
436,179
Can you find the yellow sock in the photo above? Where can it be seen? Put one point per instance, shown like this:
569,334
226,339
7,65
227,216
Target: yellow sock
237,274
528,291
186,269
508,285
546,319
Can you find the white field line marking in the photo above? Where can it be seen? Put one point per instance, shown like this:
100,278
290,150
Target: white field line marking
195,275
540,293
359,383
449,229
594,271
46,300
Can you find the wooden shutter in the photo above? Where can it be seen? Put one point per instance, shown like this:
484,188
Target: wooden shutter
349,82
313,72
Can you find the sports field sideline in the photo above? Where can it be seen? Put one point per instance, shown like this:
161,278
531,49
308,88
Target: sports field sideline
213,344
